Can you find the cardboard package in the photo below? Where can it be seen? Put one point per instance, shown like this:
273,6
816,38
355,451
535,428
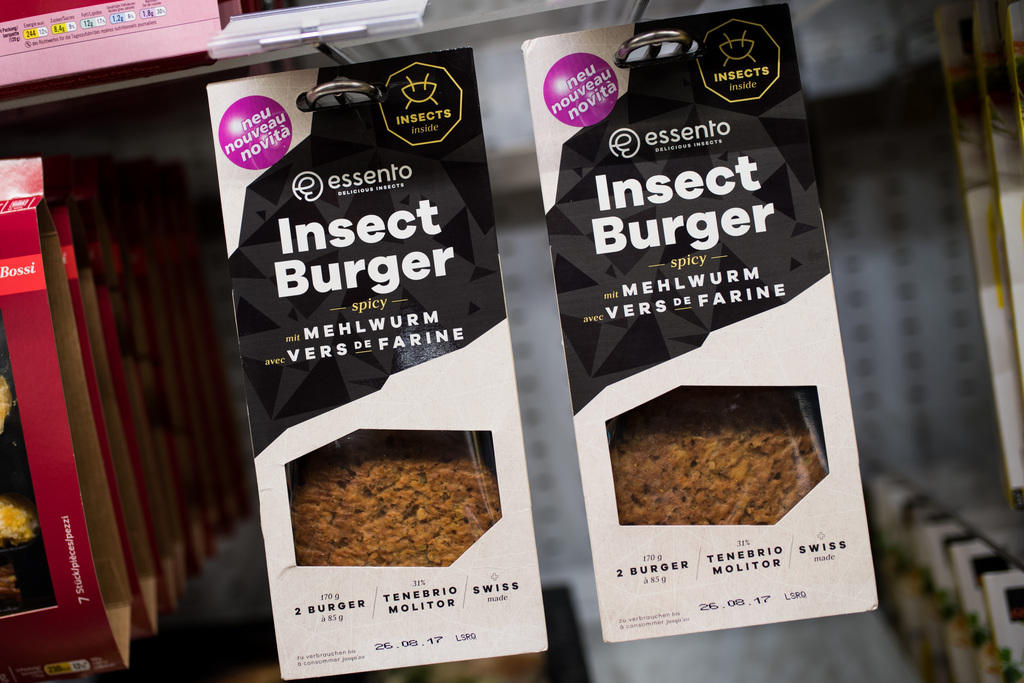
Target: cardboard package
169,395
66,590
137,326
175,239
949,655
970,559
1004,602
148,459
999,109
134,522
711,408
379,382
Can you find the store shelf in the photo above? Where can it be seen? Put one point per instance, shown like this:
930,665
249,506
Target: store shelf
919,375
847,60
489,20
960,493
62,96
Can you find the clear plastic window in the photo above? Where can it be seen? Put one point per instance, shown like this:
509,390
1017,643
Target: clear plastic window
717,455
393,498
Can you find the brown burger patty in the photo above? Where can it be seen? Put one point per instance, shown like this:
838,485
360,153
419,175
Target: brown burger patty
712,455
395,499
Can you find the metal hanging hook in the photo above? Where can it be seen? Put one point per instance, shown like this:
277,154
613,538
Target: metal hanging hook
688,47
339,87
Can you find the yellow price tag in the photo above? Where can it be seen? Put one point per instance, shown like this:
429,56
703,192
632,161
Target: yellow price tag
58,668
75,666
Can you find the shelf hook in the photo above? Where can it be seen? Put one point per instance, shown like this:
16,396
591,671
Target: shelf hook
688,47
338,87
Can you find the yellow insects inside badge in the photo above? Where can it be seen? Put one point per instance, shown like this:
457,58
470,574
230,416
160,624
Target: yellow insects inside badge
743,61
409,91
737,49
430,105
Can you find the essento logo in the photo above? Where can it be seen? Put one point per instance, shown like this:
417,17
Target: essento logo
307,186
624,143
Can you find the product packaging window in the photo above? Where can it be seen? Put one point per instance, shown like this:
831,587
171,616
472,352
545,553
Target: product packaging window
717,455
393,498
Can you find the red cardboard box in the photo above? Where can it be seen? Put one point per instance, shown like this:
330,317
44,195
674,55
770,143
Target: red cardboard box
70,608
148,336
133,519
179,243
147,450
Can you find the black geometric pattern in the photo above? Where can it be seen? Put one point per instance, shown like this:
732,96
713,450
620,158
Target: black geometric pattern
452,174
772,131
